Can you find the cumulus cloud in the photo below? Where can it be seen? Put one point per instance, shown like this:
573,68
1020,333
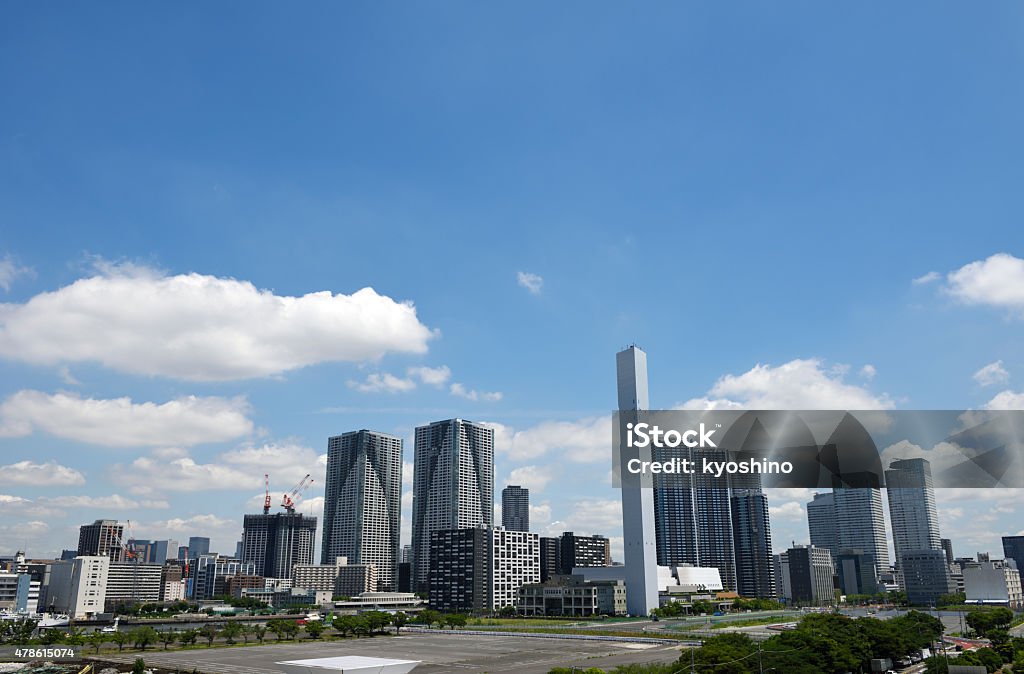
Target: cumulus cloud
590,517
930,277
868,372
1006,400
533,283
49,474
993,373
533,478
791,510
997,281
382,382
203,328
112,502
461,391
798,384
434,376
17,507
119,422
584,441
222,532
238,469
11,270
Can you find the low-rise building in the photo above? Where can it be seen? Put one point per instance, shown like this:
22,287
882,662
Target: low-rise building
355,579
133,582
572,596
996,583
79,587
480,570
381,601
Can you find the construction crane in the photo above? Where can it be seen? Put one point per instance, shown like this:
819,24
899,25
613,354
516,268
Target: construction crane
288,502
131,555
266,500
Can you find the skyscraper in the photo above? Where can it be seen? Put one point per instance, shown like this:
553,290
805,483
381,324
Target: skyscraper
363,501
915,522
515,508
850,519
753,544
1013,548
102,538
638,534
821,523
453,484
274,543
198,546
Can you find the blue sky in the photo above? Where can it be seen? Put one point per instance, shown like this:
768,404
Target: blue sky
749,194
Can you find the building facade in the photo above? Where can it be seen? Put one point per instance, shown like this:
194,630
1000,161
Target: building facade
572,596
481,570
453,485
515,508
926,576
752,534
912,513
102,537
810,575
274,543
363,502
993,583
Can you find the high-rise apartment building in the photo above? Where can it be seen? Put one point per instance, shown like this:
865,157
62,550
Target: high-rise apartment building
915,522
275,542
515,508
821,522
810,575
363,502
583,551
453,485
753,544
102,537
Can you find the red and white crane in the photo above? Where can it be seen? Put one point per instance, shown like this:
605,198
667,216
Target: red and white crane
289,500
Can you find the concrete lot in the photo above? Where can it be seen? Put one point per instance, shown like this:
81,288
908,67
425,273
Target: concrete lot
439,653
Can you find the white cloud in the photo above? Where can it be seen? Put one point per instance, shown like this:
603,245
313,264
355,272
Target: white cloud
930,277
222,532
11,270
64,372
49,474
1006,400
798,384
238,469
203,328
791,510
461,391
534,283
996,281
119,422
434,376
993,373
383,382
533,478
12,506
868,372
112,502
591,517
584,441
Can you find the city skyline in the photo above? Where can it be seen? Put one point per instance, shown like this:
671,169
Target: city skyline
393,218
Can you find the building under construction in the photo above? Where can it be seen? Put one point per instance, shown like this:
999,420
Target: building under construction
275,542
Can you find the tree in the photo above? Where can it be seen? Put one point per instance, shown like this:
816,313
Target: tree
377,620
96,640
315,628
119,638
209,632
428,617
344,625
984,621
143,637
261,632
399,620
168,637
456,620
231,632
139,666
188,637
277,627
725,652
245,631
507,611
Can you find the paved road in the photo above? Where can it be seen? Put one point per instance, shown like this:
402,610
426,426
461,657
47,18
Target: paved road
440,654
